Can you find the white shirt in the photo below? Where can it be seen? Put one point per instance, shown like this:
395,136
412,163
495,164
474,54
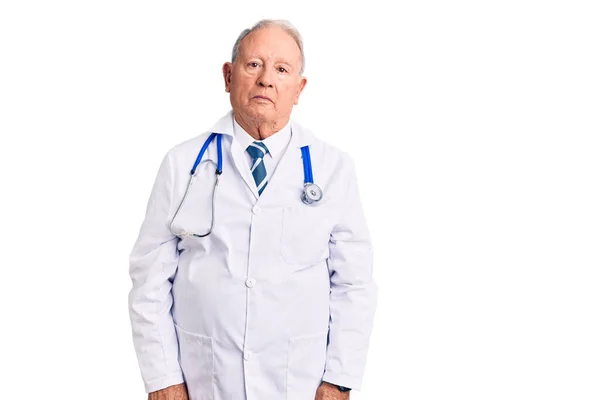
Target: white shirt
276,143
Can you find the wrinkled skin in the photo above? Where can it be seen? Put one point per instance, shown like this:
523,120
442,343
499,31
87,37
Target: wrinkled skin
265,82
328,391
175,392
179,392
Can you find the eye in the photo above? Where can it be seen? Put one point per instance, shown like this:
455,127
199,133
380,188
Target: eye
253,64
281,69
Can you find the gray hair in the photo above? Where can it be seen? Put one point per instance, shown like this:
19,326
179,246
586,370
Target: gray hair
280,23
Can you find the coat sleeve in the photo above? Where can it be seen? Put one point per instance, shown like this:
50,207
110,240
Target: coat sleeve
353,295
152,267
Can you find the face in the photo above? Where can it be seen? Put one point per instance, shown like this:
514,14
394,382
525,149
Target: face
264,82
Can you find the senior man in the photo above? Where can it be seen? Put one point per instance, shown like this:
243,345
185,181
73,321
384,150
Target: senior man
252,274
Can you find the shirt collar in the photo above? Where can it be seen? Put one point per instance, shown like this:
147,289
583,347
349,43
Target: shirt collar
300,135
276,143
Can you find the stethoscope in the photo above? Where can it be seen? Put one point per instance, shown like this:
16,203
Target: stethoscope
311,194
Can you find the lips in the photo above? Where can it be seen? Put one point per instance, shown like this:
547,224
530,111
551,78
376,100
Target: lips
263,97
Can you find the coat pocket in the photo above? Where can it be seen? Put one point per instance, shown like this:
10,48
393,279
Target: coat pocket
196,357
304,235
306,365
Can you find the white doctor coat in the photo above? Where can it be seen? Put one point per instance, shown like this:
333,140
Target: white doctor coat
277,298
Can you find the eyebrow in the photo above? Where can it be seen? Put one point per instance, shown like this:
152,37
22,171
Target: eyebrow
278,60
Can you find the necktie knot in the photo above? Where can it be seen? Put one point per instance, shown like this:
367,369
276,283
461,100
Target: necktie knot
257,150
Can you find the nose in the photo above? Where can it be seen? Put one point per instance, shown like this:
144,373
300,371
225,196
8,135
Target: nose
264,79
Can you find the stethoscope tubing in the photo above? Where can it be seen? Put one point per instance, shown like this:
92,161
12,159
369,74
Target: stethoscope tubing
308,176
219,153
306,162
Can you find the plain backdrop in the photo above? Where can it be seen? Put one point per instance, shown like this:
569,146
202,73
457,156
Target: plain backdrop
475,130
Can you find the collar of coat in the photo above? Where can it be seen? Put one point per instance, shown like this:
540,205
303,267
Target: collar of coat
300,136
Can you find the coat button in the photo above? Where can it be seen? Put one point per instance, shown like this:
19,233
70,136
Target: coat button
256,209
247,355
250,282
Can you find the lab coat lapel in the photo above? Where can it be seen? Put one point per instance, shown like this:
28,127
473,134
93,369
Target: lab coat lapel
289,166
300,137
281,172
225,127
239,160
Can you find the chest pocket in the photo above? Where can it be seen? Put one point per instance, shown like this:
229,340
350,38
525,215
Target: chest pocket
304,235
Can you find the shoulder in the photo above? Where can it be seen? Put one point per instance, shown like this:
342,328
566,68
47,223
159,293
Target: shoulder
182,155
322,148
334,158
188,146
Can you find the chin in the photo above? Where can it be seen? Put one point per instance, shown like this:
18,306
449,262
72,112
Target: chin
261,113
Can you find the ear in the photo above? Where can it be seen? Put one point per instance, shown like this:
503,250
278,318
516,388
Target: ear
227,71
301,85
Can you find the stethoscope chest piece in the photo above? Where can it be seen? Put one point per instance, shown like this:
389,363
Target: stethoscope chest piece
312,193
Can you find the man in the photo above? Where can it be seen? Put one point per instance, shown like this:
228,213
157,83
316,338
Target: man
277,301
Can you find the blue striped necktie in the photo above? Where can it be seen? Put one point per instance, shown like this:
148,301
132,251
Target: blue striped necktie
258,150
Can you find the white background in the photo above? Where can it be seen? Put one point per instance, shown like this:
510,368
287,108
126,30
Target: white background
474,126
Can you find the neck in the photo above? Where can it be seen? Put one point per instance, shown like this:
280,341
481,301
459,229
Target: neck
260,129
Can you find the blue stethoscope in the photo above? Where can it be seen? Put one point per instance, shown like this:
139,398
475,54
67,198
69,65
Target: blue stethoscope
311,194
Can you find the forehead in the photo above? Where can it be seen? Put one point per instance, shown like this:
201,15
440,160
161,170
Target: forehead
270,42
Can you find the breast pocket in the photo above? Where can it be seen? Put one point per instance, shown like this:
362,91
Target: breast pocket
304,235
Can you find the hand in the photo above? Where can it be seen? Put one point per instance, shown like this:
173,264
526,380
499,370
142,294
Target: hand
327,391
175,392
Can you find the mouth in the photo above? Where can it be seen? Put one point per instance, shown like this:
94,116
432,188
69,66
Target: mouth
262,98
